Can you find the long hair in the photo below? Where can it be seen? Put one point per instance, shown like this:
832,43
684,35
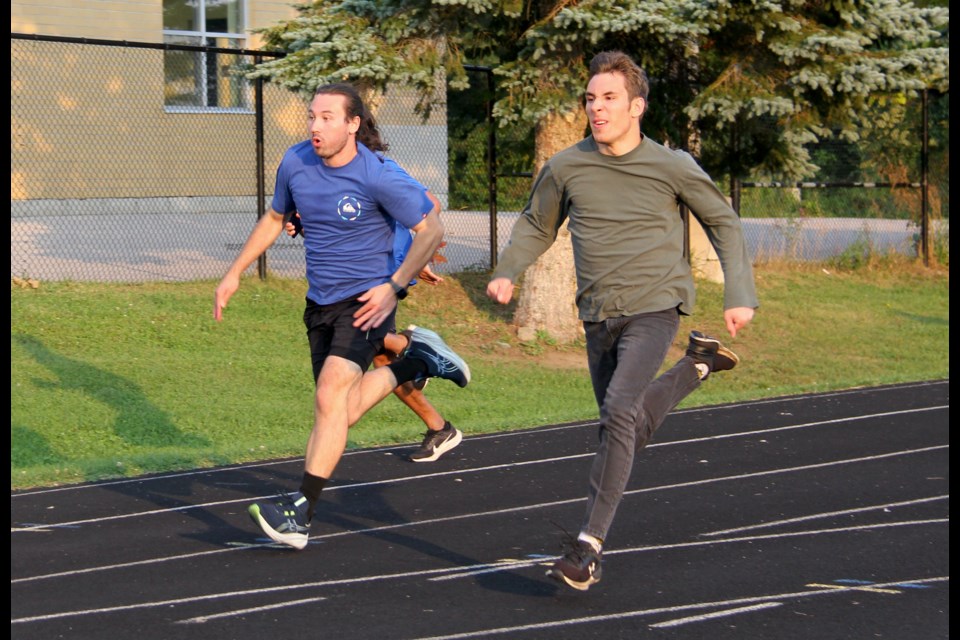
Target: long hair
368,133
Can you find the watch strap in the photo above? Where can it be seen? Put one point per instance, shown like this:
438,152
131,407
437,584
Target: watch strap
400,292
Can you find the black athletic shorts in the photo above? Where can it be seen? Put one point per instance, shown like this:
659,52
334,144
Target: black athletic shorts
330,332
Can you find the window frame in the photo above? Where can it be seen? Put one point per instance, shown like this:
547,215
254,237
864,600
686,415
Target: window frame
206,49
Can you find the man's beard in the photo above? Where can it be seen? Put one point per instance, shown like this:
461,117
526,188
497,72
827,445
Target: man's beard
326,155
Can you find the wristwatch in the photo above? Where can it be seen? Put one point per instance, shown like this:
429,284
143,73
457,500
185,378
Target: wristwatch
400,292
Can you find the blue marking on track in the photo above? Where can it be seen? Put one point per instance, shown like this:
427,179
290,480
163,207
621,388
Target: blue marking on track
910,585
905,585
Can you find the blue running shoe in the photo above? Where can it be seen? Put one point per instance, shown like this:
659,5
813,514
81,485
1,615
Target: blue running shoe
441,360
284,519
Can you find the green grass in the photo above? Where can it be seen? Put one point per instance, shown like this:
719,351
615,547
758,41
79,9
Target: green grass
115,380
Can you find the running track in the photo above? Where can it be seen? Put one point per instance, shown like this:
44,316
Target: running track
820,516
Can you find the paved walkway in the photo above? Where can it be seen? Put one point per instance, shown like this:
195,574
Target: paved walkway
176,246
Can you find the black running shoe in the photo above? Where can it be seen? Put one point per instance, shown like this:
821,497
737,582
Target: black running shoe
579,566
284,519
437,443
709,351
441,360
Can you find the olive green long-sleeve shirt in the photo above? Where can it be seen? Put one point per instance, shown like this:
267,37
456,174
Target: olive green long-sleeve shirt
626,229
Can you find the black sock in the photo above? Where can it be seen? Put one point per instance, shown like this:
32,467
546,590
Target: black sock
310,487
447,426
407,369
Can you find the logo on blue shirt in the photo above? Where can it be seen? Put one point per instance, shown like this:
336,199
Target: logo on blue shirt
348,208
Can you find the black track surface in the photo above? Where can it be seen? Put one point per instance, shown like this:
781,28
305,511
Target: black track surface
821,516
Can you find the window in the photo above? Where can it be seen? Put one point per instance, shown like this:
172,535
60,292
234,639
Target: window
200,80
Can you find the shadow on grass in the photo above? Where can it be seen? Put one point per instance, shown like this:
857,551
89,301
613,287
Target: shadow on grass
139,422
474,284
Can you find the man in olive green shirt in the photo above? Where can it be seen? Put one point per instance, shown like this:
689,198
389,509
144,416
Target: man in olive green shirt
619,192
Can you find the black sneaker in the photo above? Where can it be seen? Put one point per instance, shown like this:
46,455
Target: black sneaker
441,360
706,350
284,519
579,566
437,443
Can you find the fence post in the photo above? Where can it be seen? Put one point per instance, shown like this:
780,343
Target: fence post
735,171
735,193
261,190
492,169
925,244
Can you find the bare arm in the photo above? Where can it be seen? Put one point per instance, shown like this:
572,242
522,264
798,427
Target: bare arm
266,232
426,273
429,276
381,300
426,241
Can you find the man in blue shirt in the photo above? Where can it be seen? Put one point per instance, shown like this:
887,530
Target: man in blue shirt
441,436
349,202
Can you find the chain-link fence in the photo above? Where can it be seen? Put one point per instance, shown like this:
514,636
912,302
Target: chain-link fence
888,190
137,162
867,198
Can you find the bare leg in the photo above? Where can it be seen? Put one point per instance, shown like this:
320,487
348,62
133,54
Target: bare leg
394,343
344,394
410,395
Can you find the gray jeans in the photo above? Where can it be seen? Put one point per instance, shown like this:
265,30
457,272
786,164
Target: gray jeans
625,355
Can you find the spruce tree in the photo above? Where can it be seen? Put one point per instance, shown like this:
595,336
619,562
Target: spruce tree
781,74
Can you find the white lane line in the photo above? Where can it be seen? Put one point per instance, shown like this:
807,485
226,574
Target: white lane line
485,436
218,596
431,476
466,571
716,614
483,633
299,461
495,512
240,612
819,585
827,514
149,605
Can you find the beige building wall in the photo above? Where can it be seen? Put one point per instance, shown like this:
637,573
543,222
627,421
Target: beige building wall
266,13
117,20
90,122
132,20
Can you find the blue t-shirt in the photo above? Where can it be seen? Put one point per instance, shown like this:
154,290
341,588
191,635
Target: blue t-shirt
349,217
403,238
